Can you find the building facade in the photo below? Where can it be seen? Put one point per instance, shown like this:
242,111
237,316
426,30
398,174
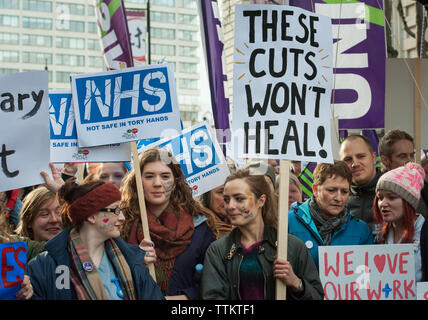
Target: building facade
62,37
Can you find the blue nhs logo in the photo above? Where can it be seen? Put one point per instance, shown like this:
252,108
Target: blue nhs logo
61,116
123,95
194,150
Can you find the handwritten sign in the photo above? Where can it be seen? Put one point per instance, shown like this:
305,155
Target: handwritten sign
24,129
199,155
12,265
64,145
282,83
125,105
368,272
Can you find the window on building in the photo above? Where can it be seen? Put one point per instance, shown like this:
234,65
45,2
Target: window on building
70,43
70,60
188,35
92,27
9,4
9,38
190,100
37,5
163,49
168,3
63,76
9,56
187,51
187,18
94,44
188,67
97,62
70,25
91,10
8,70
162,33
166,17
36,23
37,57
188,84
36,40
9,21
189,4
70,8
189,116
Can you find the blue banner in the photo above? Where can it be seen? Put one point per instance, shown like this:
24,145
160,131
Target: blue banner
125,105
199,156
61,116
12,264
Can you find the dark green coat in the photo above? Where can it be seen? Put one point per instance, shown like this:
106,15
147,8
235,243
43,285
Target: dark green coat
220,277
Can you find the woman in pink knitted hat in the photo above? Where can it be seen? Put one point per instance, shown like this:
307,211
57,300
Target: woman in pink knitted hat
397,196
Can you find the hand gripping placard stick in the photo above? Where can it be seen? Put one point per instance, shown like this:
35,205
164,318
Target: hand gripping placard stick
284,184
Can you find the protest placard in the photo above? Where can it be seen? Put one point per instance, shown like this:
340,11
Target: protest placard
125,105
368,272
64,146
359,56
24,129
282,83
199,155
12,265
422,290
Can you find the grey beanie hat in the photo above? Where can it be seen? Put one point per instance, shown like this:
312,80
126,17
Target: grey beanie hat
262,168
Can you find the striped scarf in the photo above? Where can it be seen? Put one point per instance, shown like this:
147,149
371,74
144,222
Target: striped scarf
88,285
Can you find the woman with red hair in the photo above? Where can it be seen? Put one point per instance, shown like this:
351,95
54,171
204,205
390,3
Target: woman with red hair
397,196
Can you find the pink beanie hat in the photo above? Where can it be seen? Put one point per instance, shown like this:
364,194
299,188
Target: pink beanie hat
406,181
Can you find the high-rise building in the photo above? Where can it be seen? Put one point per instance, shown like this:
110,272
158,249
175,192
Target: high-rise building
61,36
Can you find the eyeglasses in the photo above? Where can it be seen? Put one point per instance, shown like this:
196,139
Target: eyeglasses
115,211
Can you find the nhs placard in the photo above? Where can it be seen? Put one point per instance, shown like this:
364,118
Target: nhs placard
199,155
64,147
125,105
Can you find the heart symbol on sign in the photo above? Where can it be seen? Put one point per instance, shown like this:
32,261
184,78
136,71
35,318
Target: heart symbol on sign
379,261
105,220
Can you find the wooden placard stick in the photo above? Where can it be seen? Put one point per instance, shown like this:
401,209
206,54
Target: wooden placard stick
141,201
140,194
417,110
80,172
284,184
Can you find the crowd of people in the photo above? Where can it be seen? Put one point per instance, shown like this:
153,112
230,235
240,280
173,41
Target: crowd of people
221,245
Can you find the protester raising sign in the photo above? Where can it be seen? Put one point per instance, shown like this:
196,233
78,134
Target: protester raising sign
199,155
12,265
282,83
369,272
64,146
24,129
125,105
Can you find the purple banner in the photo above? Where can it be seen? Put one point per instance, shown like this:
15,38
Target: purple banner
359,88
114,34
213,45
